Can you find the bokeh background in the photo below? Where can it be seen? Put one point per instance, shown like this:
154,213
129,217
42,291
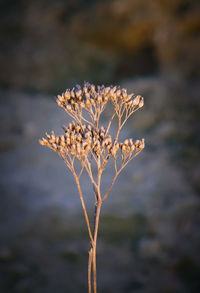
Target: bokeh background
149,236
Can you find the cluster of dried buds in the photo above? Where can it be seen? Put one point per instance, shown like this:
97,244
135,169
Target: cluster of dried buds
84,136
93,99
128,146
79,140
82,98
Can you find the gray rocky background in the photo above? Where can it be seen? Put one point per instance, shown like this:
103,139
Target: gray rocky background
149,234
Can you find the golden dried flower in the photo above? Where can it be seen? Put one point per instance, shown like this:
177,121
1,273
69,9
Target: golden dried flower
84,140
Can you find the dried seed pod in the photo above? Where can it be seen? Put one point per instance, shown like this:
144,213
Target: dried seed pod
87,134
118,93
128,148
47,135
123,148
87,95
136,101
130,142
92,88
99,99
132,148
73,149
53,135
59,103
43,141
109,147
105,99
142,144
109,139
130,104
113,151
67,95
88,103
57,139
69,107
54,146
78,147
72,93
107,90
129,97
102,135
126,142
87,148
93,102
137,143
78,92
114,96
84,144
141,103
62,138
124,93
68,141
79,138
83,128
60,98
78,128
106,141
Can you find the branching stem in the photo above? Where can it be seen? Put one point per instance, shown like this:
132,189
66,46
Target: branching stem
91,143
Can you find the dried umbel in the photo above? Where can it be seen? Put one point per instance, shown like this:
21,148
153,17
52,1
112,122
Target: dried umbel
85,141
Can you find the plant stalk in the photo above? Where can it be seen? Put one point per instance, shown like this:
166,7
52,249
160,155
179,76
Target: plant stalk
89,270
92,251
96,225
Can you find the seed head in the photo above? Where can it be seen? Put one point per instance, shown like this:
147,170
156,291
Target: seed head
86,104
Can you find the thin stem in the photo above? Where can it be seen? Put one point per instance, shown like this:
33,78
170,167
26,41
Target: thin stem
111,185
89,271
127,117
115,140
115,164
96,225
89,171
109,123
83,206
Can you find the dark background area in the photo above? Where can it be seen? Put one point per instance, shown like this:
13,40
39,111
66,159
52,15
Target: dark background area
149,234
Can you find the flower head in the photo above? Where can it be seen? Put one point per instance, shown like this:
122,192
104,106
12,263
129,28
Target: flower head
83,136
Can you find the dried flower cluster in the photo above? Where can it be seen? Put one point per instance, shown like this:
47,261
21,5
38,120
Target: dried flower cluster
78,141
85,140
93,101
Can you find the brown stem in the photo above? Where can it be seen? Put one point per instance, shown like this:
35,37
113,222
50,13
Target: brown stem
83,206
89,270
97,214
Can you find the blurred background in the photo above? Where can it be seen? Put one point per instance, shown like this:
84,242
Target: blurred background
149,236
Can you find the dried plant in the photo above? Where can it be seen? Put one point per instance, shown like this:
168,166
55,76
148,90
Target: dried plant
86,142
